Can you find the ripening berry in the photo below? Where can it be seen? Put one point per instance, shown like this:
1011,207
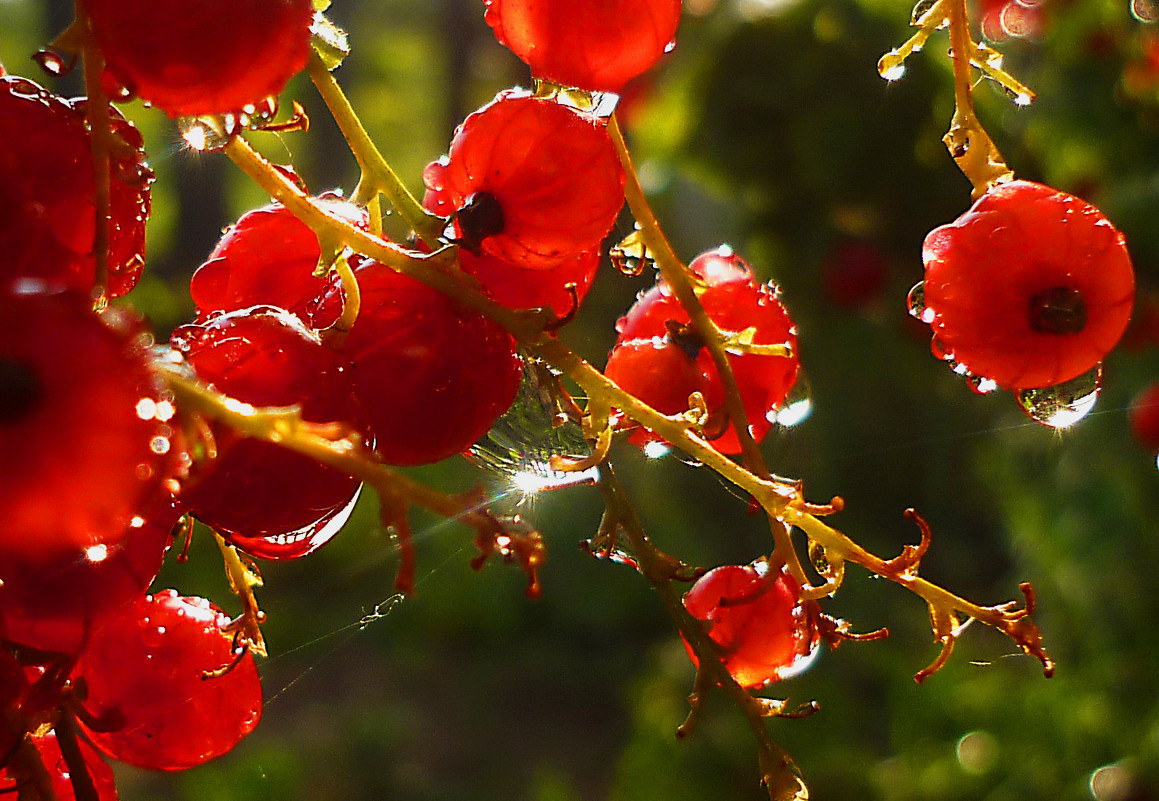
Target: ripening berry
165,685
268,257
737,304
48,193
1029,288
510,181
598,45
430,376
203,57
756,618
265,499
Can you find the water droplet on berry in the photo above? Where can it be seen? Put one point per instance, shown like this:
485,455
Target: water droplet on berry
1145,11
1062,405
797,406
630,255
940,351
520,445
983,386
53,63
916,303
668,48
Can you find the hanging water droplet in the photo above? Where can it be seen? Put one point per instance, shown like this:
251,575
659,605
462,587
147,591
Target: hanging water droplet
920,10
203,133
940,351
668,48
520,445
1062,405
916,303
980,385
54,63
1145,11
891,66
631,256
797,406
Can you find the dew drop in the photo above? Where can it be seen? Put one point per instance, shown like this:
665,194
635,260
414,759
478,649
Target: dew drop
980,385
1145,11
656,449
797,406
668,48
1062,405
631,256
53,63
922,8
890,67
916,304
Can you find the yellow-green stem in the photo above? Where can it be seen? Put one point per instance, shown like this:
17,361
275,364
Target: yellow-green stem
429,227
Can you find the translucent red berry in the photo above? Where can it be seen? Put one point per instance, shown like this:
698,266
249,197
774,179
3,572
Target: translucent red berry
510,180
598,46
59,772
266,499
207,57
268,257
165,686
756,618
430,376
1029,288
85,425
739,306
48,193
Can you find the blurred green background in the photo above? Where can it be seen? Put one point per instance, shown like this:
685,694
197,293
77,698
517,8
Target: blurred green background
767,128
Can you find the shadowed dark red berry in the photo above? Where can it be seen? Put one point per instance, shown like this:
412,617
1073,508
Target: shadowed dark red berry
1029,288
48,193
597,45
430,376
266,499
205,57
756,618
59,772
512,167
165,685
1143,417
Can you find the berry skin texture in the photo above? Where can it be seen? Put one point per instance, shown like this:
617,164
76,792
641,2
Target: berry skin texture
1029,288
268,257
510,175
85,469
756,618
597,45
48,194
263,498
430,376
205,57
160,684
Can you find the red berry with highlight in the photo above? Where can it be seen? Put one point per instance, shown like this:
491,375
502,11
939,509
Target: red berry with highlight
510,181
597,45
1029,288
756,618
165,685
266,499
205,57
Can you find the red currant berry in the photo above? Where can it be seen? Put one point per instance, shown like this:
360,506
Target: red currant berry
267,500
430,376
59,772
510,179
1029,288
55,604
1143,417
208,57
88,418
663,373
598,46
268,257
736,304
48,194
756,618
166,686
